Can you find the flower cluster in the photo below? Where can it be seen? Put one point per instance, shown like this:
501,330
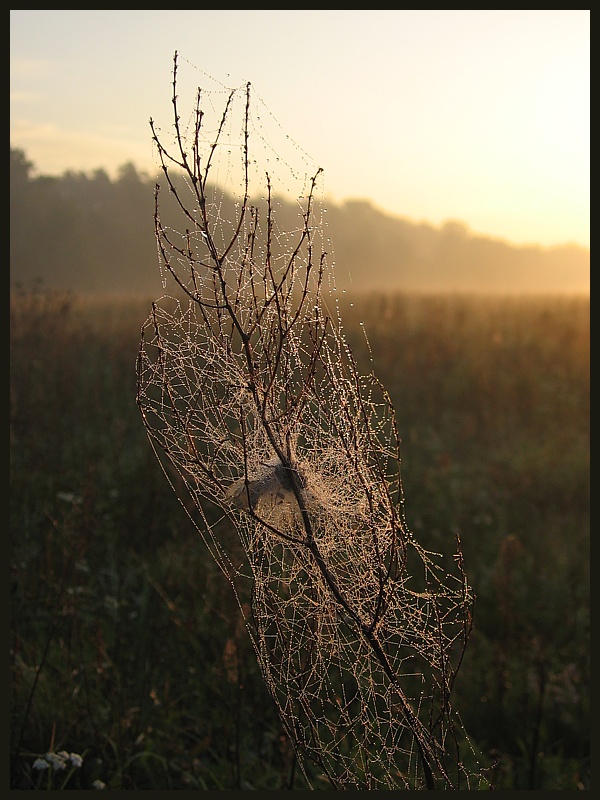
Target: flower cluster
58,761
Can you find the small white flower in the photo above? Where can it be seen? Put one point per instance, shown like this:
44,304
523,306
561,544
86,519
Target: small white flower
40,763
57,761
98,784
70,497
76,760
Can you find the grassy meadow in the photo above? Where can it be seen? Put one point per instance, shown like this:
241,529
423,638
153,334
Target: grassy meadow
126,643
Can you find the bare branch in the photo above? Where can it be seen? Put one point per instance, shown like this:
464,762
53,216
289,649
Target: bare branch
247,384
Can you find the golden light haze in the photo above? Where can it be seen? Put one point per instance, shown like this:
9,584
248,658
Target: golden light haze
481,116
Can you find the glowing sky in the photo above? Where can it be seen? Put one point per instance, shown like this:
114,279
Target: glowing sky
481,116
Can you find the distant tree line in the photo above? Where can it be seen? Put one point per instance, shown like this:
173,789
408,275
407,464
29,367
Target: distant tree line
88,233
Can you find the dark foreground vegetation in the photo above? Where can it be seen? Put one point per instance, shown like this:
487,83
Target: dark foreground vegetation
126,644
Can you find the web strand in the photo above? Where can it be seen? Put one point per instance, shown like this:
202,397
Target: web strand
248,387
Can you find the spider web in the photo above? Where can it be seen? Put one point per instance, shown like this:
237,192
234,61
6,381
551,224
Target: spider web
246,384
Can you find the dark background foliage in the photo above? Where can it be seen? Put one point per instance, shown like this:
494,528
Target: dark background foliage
126,642
87,233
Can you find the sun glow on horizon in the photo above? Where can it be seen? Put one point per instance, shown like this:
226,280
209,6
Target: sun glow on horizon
478,116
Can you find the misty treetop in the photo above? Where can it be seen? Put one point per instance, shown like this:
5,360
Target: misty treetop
90,233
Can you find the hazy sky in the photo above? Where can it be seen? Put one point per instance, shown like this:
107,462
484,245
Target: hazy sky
481,116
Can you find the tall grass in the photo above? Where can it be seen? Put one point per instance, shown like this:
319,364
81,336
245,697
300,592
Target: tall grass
126,643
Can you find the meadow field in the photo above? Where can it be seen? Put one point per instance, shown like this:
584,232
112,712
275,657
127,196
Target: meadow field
126,643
